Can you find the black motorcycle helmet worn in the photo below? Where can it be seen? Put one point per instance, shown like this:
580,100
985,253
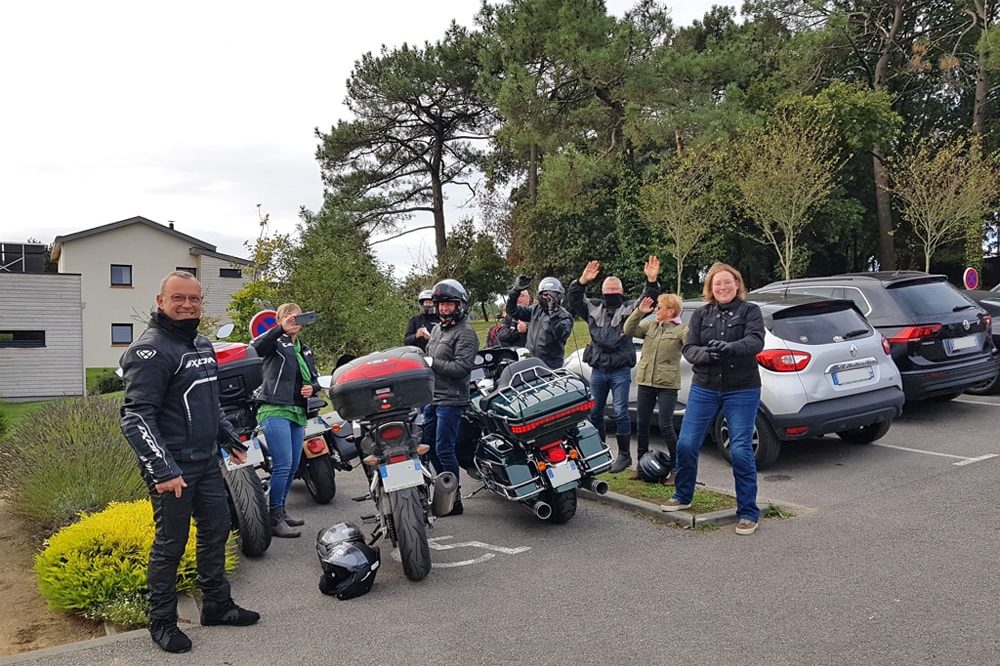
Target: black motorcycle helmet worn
451,291
655,466
426,295
349,564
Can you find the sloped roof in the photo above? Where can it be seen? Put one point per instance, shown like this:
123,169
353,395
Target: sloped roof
59,240
218,255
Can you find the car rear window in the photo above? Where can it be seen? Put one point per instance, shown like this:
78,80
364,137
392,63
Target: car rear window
821,328
923,299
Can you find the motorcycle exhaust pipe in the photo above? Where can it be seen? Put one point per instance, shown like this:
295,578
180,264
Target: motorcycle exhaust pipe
445,491
542,510
595,485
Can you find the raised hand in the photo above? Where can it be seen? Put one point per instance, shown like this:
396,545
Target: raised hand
646,305
591,272
652,268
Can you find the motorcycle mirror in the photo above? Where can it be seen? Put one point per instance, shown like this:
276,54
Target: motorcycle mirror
224,331
326,381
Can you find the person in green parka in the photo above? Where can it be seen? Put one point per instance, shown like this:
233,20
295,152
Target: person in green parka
658,372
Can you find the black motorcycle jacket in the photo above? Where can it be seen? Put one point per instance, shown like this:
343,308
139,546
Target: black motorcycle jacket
548,331
453,349
282,377
416,321
609,348
171,412
737,322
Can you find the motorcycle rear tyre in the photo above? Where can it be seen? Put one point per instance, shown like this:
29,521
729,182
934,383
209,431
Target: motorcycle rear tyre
563,505
408,518
320,479
248,506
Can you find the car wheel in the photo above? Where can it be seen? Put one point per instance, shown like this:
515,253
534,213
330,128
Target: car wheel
766,445
986,388
865,434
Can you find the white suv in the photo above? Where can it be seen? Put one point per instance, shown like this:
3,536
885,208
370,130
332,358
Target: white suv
823,369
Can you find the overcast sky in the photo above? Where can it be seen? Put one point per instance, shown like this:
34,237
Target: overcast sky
191,111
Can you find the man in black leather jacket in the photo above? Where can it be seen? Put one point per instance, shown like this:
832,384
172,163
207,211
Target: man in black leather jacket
418,329
173,421
549,322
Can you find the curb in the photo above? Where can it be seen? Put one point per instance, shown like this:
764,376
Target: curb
686,519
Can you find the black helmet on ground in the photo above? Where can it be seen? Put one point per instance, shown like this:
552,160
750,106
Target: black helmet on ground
654,466
349,564
451,291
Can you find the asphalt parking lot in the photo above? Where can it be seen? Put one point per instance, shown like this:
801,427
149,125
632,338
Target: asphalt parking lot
892,560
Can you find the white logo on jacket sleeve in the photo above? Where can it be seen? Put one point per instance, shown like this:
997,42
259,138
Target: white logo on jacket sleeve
145,354
198,362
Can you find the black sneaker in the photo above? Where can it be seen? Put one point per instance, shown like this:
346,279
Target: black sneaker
230,613
166,634
621,464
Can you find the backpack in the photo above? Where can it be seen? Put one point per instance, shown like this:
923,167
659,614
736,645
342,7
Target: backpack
492,339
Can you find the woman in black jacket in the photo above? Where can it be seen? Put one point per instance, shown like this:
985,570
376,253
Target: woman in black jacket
290,379
723,340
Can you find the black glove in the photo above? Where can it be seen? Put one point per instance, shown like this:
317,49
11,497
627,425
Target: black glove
718,349
521,283
231,442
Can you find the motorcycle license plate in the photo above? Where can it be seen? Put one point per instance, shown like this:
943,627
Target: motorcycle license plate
254,455
562,473
405,474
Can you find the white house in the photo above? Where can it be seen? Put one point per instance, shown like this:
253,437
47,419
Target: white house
121,265
41,349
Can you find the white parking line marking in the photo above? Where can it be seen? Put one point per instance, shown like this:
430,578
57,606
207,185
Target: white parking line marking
976,402
962,460
435,544
969,461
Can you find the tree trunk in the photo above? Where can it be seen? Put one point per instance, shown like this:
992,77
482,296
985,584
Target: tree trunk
680,271
533,173
482,306
883,205
927,259
982,13
437,203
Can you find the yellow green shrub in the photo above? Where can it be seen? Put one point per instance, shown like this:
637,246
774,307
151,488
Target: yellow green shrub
96,567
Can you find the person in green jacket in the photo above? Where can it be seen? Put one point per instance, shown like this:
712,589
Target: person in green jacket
658,372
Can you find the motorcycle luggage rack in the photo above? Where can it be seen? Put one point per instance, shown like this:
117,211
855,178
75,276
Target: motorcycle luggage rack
535,381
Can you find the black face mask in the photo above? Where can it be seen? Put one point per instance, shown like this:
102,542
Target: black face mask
429,310
614,301
185,328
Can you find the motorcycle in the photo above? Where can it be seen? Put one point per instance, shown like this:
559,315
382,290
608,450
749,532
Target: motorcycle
526,437
383,393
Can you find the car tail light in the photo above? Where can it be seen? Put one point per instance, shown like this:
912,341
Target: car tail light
554,452
916,333
886,347
794,431
316,445
988,320
784,360
525,428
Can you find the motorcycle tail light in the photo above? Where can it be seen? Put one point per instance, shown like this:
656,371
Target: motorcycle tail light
554,452
573,454
540,466
402,457
316,445
391,432
525,428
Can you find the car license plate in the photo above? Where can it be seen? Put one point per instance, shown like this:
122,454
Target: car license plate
853,375
562,473
965,342
405,474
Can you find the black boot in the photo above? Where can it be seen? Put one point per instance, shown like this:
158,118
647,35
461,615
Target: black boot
624,459
166,634
227,613
456,509
293,522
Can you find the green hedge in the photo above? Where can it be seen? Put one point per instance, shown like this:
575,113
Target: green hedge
68,457
97,566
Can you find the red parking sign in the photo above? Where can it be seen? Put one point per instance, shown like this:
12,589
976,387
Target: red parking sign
262,322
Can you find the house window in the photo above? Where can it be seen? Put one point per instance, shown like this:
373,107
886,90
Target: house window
231,272
121,275
22,338
121,334
190,269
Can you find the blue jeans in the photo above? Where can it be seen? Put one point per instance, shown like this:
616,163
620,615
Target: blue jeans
740,408
617,382
441,423
284,443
